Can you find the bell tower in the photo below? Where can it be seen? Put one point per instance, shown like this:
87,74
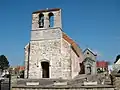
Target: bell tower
46,19
45,44
44,22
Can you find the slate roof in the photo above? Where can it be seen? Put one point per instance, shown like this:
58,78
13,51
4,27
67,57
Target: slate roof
90,51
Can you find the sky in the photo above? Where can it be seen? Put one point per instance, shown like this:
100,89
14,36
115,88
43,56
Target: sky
91,23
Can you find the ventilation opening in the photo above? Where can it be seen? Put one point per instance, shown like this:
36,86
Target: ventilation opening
87,52
41,21
51,19
45,69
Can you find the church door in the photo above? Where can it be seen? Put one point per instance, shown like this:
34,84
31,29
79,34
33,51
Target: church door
45,69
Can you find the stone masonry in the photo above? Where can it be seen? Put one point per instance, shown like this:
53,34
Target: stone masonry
53,60
52,46
90,62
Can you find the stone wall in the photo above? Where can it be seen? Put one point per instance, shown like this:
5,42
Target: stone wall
90,63
46,34
57,53
75,64
50,46
46,50
66,61
26,59
116,80
65,88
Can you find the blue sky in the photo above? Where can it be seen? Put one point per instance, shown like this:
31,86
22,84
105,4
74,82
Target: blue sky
91,23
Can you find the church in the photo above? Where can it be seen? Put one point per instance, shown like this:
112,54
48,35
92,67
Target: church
54,61
51,53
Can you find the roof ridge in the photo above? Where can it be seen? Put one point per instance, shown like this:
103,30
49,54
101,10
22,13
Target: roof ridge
90,51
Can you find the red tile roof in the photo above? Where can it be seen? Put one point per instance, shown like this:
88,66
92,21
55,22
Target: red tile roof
102,64
73,44
20,68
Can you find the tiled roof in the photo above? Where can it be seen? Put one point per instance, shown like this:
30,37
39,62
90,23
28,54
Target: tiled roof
73,44
21,68
102,64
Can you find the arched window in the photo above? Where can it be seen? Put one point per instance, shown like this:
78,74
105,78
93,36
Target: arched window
41,21
51,19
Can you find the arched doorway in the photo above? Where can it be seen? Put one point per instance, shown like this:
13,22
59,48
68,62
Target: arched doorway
45,69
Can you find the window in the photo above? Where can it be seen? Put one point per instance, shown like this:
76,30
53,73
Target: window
41,21
87,52
51,19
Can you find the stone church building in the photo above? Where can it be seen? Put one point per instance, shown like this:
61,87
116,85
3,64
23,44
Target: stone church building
51,53
53,61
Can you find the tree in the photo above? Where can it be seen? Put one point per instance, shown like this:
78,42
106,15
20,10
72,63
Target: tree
117,58
4,63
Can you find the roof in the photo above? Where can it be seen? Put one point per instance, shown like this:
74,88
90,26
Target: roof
46,10
75,47
90,51
117,59
102,64
21,67
73,44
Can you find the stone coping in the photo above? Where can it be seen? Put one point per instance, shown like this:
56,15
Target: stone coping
116,74
42,79
63,87
46,79
37,29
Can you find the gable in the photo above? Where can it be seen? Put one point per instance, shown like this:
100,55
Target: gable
89,51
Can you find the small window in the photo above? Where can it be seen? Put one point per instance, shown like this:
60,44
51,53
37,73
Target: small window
51,19
41,21
87,52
